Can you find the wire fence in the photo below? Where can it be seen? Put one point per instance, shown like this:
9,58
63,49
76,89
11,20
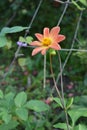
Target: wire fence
69,50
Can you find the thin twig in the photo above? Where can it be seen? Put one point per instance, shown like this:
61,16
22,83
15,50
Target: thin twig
62,15
61,79
62,91
34,16
72,45
59,21
27,31
61,69
78,40
64,49
66,2
80,50
14,12
55,85
11,19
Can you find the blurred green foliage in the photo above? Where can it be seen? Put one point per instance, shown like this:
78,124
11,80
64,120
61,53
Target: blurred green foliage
27,71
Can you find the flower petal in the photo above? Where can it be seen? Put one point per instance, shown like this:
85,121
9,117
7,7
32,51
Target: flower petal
54,31
60,38
35,43
54,38
43,52
46,32
36,50
39,36
55,46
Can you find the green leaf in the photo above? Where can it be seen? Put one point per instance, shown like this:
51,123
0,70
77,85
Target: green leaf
29,39
75,3
80,127
82,100
10,126
3,41
84,2
58,101
6,117
61,126
9,44
22,61
9,100
1,94
22,39
20,99
76,113
38,106
22,113
9,96
14,29
69,103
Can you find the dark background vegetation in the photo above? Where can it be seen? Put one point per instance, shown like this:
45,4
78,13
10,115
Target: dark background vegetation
30,77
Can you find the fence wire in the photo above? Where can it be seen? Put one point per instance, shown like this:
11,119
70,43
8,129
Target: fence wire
66,5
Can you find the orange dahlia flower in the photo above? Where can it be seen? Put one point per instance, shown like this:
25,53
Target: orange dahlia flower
49,39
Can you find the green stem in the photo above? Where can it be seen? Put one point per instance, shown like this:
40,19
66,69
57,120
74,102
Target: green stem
62,92
55,85
44,82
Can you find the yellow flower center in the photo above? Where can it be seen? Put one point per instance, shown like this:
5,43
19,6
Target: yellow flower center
46,41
